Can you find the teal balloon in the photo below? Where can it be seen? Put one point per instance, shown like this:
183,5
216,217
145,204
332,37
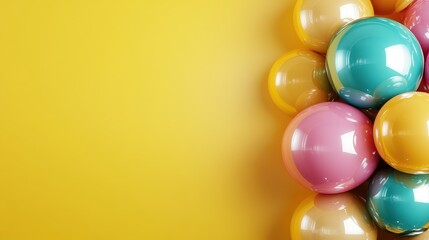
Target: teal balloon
399,202
372,60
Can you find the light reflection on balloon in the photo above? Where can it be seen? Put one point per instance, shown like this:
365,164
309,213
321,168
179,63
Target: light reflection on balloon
399,202
401,132
416,18
369,69
340,216
372,60
316,21
298,80
329,148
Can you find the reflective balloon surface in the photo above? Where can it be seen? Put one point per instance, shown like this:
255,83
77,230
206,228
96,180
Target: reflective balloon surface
372,60
386,235
331,217
399,202
425,82
401,132
423,87
329,147
389,6
416,18
298,80
316,21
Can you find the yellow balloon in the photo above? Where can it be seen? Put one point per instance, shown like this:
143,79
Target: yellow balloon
298,80
317,21
382,7
401,132
334,217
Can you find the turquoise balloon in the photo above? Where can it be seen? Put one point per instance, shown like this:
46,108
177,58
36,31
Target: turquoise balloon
399,202
372,60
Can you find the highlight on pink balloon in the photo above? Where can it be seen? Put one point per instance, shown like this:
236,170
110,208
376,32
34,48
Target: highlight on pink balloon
329,148
423,87
425,80
424,84
416,18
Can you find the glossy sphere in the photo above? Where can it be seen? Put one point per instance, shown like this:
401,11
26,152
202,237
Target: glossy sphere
298,80
416,18
389,6
372,60
399,202
424,85
329,148
316,21
332,217
401,132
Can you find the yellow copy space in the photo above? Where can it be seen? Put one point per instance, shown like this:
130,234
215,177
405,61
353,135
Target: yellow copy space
142,120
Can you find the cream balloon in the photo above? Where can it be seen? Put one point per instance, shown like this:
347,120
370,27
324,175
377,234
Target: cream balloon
332,217
298,80
317,21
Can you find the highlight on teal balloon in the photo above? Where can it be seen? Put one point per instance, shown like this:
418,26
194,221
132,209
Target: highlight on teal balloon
399,202
378,66
371,60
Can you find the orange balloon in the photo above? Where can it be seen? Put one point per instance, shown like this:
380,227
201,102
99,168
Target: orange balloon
298,80
397,16
382,7
401,132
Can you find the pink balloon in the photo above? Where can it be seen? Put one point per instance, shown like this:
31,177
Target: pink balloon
416,18
423,87
425,82
329,148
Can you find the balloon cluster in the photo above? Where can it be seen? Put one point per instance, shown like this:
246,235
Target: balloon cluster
358,97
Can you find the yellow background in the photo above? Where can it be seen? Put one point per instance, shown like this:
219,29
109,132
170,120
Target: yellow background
142,120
